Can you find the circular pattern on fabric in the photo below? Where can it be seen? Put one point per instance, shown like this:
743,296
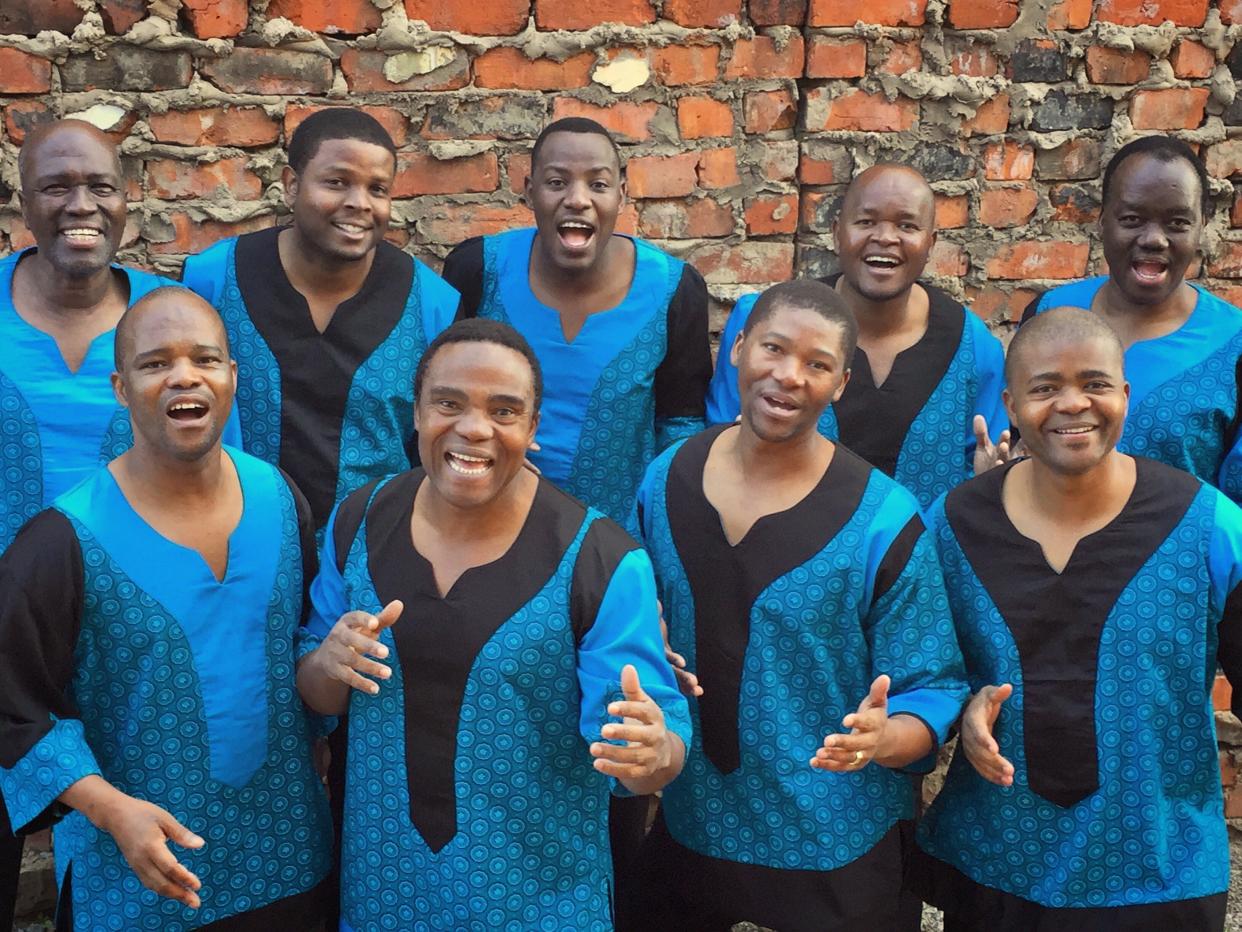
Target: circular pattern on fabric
21,462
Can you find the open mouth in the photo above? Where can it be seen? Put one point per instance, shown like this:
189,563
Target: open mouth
187,410
575,234
82,237
779,405
1150,271
881,263
1074,431
466,465
352,230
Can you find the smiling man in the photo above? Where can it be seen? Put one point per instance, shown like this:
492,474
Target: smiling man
620,327
923,404
800,586
1093,594
1183,344
147,695
487,634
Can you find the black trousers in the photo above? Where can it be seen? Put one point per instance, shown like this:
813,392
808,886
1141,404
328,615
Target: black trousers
10,869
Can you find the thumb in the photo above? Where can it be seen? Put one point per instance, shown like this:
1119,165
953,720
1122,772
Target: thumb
980,426
178,833
996,696
877,697
629,684
389,613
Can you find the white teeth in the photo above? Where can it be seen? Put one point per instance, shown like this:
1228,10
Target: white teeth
83,233
350,227
458,463
1074,430
880,260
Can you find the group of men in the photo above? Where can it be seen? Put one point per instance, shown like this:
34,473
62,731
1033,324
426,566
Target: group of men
476,528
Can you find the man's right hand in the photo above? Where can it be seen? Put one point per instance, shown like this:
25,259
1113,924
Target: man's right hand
344,653
978,744
142,831
687,682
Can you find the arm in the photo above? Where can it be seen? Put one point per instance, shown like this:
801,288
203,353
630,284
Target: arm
987,444
1229,476
1225,573
682,378
723,402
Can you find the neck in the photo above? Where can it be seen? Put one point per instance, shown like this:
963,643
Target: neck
500,516
878,318
63,294
767,460
314,270
1079,498
552,275
1177,306
165,479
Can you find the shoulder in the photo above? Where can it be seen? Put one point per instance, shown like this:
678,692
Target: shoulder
1074,294
9,262
605,539
1218,311
142,282
216,253
467,253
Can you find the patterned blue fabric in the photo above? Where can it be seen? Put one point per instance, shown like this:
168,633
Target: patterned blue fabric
938,451
817,640
56,426
1183,388
1154,830
193,709
599,430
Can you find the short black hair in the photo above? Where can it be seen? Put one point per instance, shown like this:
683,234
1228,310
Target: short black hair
807,294
481,330
335,123
574,125
121,337
1163,149
1066,324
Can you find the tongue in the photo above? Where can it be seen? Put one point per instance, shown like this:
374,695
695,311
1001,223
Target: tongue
575,236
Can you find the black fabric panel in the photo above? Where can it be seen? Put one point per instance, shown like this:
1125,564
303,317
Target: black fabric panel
463,269
438,638
603,548
1059,672
725,580
349,515
41,600
306,540
316,370
10,869
1235,423
896,558
682,377
873,420
1229,647
972,907
1029,311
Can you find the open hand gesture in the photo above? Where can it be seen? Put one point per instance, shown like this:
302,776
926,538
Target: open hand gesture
352,641
988,454
142,831
687,682
648,748
844,753
978,744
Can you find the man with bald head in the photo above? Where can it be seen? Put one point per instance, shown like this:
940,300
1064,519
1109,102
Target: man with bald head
147,695
923,400
1093,594
59,302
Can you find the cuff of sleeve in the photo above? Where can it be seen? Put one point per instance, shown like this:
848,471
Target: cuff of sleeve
31,787
671,429
304,643
926,764
938,710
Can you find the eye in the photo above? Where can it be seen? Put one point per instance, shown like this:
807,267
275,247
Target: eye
555,183
446,404
103,190
208,360
1180,223
910,227
379,190
771,347
822,367
600,186
152,364
56,190
334,182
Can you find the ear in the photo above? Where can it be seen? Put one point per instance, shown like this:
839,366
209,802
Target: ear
289,179
735,352
845,380
625,191
416,407
534,426
118,390
1007,398
526,199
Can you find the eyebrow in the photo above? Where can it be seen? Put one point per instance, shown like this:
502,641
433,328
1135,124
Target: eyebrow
777,335
597,167
195,349
1057,376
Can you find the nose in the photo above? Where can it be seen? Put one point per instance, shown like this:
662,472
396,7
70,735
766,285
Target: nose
356,196
79,200
1072,400
1152,237
577,195
474,424
183,373
884,233
788,371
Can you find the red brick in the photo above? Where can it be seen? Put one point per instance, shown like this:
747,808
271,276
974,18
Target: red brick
1192,60
1075,159
952,211
779,160
768,215
948,260
517,167
1222,693
489,18
509,67
269,71
824,164
751,263
627,220
817,210
982,14
686,64
662,175
390,118
20,116
1045,259
28,17
717,168
1116,66
900,57
1072,203
193,235
174,180
1224,159
703,117
766,111
348,16
693,218
991,118
1233,804
451,223
574,14
364,71
419,173
1168,108
1152,12
1230,294
119,15
1227,263
976,61
1231,12
991,302
216,19
706,13
1007,207
777,12
833,57
1070,14
215,126
1008,161
877,12
21,73
630,121
762,57
855,109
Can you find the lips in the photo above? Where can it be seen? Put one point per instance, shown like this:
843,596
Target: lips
1074,430
779,405
355,231
82,237
881,262
1150,271
575,235
187,410
468,464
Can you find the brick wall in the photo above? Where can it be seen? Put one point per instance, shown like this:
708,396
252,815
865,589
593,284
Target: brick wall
741,119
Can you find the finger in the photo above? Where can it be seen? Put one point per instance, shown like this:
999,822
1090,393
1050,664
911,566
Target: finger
980,426
998,694
389,613
156,882
1002,453
361,644
620,771
630,686
877,696
360,683
647,712
177,833
170,868
622,754
676,659
639,734
848,743
361,665
688,683
865,720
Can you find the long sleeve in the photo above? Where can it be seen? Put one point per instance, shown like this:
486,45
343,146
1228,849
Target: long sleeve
1225,573
43,747
723,402
682,378
463,269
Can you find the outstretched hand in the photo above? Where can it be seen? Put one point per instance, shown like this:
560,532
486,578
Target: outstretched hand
142,831
687,682
978,744
648,750
353,639
842,753
988,454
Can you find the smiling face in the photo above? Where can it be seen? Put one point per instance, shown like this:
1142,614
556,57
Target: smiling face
175,374
341,200
885,231
475,419
73,198
790,366
576,192
1068,396
1150,227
